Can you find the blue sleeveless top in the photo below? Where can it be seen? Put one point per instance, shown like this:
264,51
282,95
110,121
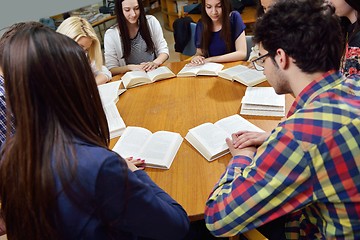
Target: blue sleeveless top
217,45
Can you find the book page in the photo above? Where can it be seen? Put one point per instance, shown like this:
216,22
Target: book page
262,112
211,137
131,142
250,77
109,92
210,69
135,78
189,70
160,149
248,106
263,96
114,120
160,73
236,123
229,73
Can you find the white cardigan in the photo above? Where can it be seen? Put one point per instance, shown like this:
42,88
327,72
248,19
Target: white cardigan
113,49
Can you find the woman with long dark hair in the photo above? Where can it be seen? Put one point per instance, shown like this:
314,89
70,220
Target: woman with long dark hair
58,179
136,42
220,34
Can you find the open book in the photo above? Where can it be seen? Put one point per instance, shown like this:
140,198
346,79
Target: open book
243,74
109,95
209,138
207,69
137,78
262,101
158,149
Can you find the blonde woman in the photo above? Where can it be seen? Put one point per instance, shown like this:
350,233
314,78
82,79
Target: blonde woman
81,31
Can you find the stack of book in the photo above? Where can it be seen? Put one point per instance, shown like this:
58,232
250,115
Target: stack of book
262,101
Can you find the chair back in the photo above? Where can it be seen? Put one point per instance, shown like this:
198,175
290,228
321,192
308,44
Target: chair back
190,48
249,45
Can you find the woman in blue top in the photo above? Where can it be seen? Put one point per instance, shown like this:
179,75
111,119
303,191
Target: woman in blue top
58,178
220,34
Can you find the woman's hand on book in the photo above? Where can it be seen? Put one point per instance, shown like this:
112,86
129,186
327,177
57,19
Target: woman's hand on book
243,139
148,66
135,164
135,67
198,60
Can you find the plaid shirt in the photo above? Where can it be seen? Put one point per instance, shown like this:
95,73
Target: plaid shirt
3,113
308,169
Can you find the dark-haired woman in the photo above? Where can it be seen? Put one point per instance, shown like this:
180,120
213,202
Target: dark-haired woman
136,42
220,34
58,178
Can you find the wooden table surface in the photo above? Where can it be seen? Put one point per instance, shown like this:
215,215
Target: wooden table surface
178,104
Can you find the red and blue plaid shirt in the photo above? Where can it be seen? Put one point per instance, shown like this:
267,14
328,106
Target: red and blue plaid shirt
308,169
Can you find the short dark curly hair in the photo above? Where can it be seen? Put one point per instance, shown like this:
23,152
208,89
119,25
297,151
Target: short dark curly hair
307,30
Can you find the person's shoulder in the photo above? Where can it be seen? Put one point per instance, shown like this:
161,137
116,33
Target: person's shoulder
91,155
235,15
152,20
112,30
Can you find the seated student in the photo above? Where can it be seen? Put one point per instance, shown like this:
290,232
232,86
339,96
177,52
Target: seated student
307,170
136,42
349,10
262,7
68,184
81,31
220,34
3,122
4,37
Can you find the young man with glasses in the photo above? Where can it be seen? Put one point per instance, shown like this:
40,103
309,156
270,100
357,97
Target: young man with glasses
308,169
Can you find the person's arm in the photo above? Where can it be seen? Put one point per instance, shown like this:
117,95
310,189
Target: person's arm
101,79
148,66
257,189
101,76
161,47
113,53
132,202
239,54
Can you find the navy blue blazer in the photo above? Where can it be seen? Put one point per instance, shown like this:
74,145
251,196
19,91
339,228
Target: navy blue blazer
111,202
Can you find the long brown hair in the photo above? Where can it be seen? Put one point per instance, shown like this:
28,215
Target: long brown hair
124,31
52,94
207,23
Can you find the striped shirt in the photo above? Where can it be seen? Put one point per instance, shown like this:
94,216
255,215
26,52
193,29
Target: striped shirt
308,169
138,51
3,114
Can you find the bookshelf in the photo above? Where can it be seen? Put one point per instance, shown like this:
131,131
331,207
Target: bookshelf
172,10
152,6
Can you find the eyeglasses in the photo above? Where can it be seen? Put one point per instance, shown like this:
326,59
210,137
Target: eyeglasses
258,63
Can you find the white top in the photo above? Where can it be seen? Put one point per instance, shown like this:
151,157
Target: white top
113,46
103,70
254,52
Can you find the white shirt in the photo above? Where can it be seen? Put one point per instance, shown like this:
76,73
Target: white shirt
113,49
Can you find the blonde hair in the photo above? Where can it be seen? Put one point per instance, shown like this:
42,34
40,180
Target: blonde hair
77,27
